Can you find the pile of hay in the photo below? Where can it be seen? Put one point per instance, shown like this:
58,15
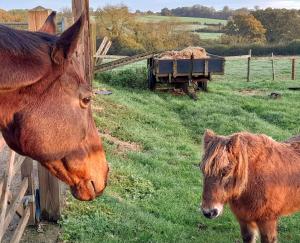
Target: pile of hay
187,53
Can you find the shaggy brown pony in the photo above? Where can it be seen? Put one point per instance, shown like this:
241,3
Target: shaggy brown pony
257,176
45,110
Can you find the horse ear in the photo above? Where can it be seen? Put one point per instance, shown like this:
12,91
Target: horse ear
235,142
49,25
208,136
66,45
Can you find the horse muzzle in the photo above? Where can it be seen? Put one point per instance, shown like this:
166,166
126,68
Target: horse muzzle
212,213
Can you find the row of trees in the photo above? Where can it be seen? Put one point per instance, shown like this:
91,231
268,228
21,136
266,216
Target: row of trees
269,25
203,12
13,16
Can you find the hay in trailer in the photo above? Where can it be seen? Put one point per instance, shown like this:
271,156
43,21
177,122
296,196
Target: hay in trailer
187,53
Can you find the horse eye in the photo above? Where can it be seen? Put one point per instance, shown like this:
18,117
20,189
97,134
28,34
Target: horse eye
85,101
225,172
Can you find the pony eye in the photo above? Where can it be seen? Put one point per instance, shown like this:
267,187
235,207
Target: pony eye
225,172
85,101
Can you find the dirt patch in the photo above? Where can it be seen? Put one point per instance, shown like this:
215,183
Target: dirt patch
122,146
187,53
252,92
50,234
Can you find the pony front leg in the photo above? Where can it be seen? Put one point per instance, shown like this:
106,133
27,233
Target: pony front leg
268,231
248,231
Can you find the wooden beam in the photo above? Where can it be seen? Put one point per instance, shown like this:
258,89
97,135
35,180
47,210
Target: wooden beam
3,200
36,18
13,208
21,227
2,143
84,49
27,172
50,195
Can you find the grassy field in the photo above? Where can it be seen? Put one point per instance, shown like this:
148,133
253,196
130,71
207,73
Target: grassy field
155,18
204,35
187,24
155,184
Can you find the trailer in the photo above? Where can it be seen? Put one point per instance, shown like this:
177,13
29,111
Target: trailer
182,73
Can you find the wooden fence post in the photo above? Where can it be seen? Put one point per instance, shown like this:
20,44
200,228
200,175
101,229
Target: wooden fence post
273,67
27,172
37,17
294,69
50,196
248,67
84,50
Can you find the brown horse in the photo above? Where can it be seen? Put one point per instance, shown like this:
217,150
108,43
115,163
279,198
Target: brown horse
45,108
257,176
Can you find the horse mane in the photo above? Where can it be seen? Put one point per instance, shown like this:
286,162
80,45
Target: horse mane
222,152
20,42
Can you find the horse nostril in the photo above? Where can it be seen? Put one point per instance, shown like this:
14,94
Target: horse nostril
214,212
210,213
93,184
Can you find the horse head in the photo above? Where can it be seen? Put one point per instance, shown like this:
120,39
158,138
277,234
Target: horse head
45,110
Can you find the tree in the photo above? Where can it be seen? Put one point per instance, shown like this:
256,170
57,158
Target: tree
245,28
166,12
282,25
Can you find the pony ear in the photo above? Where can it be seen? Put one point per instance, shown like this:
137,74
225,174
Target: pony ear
208,136
235,142
66,45
49,25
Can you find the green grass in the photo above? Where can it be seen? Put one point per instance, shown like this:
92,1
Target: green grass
154,194
204,35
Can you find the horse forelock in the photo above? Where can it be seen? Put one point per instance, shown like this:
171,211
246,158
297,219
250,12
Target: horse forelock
220,153
215,158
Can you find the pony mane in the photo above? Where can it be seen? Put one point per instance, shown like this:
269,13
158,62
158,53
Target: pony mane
20,42
231,151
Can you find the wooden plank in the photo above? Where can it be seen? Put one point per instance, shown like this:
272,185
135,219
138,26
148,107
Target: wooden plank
84,49
12,210
101,47
2,143
50,196
232,58
1,189
21,227
110,57
36,18
7,181
206,67
18,164
27,172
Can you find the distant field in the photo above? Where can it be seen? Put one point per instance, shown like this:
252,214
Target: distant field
204,35
154,18
187,24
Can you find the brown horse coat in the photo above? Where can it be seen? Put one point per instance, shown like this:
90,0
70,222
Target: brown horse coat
45,110
257,176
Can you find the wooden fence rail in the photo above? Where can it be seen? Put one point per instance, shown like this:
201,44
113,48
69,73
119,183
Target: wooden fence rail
23,203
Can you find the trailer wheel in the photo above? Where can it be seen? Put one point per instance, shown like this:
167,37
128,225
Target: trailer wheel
203,85
151,81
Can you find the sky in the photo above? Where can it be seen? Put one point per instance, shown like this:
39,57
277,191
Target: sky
153,5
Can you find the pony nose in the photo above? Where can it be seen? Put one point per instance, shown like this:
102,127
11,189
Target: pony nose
210,213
